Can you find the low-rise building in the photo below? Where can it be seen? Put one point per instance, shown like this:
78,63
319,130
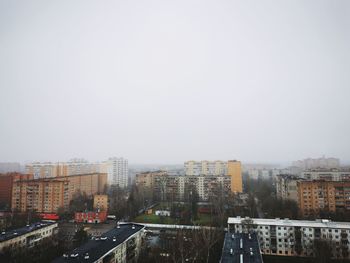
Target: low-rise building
121,244
286,237
29,236
90,217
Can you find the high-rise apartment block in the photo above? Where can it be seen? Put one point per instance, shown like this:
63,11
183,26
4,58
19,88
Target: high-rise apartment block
117,169
194,168
72,167
6,187
232,169
286,187
47,195
323,162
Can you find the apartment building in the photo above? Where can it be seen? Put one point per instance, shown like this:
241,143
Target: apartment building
147,179
328,196
315,163
6,187
47,195
195,168
286,237
42,170
72,167
180,188
121,244
286,187
234,170
101,202
230,168
334,174
29,236
118,171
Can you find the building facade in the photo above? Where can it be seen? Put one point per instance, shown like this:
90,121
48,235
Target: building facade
101,202
47,195
121,244
315,163
335,174
183,188
234,170
231,168
147,179
286,187
286,237
29,236
203,168
90,217
117,170
319,196
59,169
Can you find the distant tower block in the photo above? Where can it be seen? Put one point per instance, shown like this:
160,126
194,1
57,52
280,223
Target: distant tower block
234,170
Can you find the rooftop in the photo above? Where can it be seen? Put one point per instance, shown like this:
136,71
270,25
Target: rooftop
321,223
97,248
239,248
7,235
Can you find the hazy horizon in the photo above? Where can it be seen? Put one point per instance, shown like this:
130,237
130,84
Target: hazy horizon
165,82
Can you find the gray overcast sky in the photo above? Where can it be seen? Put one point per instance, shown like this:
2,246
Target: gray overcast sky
166,81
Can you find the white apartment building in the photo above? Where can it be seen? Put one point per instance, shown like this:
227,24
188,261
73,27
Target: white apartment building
117,171
121,244
72,167
286,237
29,236
322,162
336,174
81,166
42,170
286,187
253,174
197,168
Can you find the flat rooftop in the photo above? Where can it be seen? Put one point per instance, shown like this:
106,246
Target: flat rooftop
241,248
98,248
7,235
319,223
